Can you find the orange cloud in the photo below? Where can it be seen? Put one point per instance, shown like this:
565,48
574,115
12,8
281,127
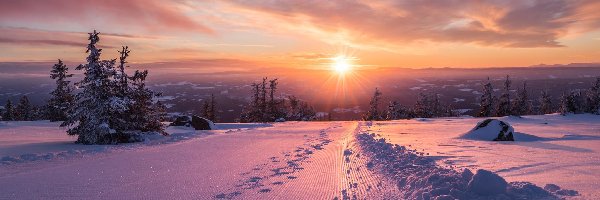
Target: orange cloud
538,23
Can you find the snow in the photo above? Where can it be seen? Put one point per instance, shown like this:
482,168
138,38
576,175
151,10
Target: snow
403,159
564,150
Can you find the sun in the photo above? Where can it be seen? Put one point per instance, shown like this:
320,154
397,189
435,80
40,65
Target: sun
341,64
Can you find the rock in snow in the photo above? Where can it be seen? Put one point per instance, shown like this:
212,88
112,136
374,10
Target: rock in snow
198,123
487,183
491,130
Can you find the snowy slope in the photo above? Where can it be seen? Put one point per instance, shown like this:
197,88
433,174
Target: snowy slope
563,150
291,160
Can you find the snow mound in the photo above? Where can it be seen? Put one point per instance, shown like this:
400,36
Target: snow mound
487,183
420,177
491,130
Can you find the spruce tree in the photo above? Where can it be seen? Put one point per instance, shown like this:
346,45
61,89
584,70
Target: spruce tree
120,76
91,116
522,104
263,101
273,103
144,113
545,102
423,107
9,112
571,103
61,99
486,100
592,104
24,110
213,108
373,114
209,108
111,109
396,111
504,104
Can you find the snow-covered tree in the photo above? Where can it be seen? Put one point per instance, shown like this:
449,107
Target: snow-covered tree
374,113
592,98
24,110
9,111
504,104
571,102
486,103
545,102
298,110
423,107
522,104
397,111
61,99
91,116
108,109
144,114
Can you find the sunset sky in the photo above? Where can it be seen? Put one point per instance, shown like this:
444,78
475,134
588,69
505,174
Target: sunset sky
307,34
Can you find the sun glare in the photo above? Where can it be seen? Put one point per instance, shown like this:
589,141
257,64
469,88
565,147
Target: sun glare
341,64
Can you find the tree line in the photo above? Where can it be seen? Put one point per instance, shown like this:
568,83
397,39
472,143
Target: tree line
267,106
427,105
573,101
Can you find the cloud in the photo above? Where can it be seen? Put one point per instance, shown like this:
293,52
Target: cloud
32,37
510,23
148,15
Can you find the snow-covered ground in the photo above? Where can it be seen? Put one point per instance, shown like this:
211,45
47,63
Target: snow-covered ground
565,152
291,160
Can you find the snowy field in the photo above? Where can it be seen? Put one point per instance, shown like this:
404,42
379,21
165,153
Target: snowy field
565,152
291,160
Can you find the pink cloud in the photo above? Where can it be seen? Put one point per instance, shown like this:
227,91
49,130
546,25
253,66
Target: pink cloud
123,15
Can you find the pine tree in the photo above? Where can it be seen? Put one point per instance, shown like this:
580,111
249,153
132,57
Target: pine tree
120,76
571,103
593,98
62,98
109,110
24,110
396,111
213,108
273,103
545,103
373,114
91,115
145,115
209,108
298,110
424,106
522,104
504,104
9,112
263,101
486,101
